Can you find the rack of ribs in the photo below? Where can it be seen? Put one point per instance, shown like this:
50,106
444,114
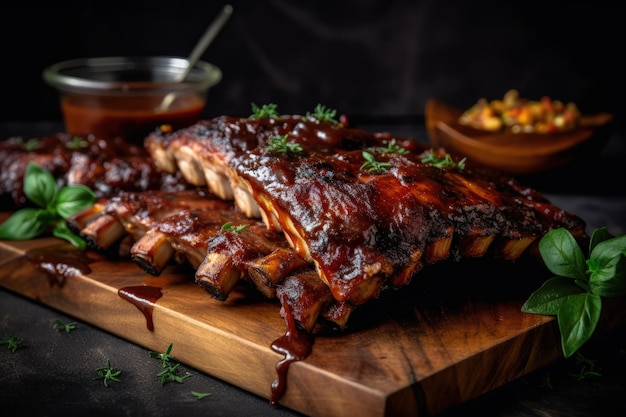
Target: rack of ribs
364,228
107,166
155,228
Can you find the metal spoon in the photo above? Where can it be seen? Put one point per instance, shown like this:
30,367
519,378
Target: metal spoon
203,43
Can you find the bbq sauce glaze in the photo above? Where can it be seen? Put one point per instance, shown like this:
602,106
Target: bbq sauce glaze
359,225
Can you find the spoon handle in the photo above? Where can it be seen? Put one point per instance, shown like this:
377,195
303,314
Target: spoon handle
208,36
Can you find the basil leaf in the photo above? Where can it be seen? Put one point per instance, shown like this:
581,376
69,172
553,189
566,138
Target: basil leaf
74,198
550,296
599,235
608,279
577,318
63,232
562,254
39,185
25,224
609,249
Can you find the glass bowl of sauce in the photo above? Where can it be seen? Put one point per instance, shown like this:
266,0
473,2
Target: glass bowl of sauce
129,97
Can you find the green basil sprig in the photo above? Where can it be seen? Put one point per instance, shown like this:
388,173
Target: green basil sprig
574,296
54,206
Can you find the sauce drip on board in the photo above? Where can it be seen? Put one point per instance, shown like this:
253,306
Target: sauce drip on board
60,262
143,297
296,345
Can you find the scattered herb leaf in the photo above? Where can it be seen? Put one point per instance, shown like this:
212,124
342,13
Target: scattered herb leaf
170,371
236,229
108,373
200,395
13,343
372,166
279,144
588,368
164,357
267,111
442,161
393,147
55,205
170,374
574,296
59,325
323,114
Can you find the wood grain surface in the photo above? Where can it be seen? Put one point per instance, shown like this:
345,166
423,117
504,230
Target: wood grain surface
455,333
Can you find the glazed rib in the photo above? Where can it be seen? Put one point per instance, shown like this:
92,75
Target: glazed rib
188,226
364,231
107,166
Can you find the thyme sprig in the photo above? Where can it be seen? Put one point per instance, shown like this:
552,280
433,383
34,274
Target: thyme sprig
76,143
13,343
393,147
279,144
164,357
372,166
32,144
228,227
431,158
200,395
108,374
323,114
169,372
266,111
59,325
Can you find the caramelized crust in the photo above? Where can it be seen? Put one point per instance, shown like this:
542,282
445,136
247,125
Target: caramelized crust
364,231
107,166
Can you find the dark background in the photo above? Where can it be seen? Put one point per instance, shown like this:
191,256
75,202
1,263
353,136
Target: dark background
362,58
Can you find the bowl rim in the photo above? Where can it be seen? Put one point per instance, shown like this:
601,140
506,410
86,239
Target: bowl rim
517,153
201,77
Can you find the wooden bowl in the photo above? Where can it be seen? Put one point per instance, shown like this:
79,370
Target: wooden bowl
515,153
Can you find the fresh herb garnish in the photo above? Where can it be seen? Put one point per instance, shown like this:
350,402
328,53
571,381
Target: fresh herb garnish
13,343
108,373
59,325
170,374
76,143
372,166
279,144
200,395
446,161
228,227
393,147
588,368
170,371
32,144
575,294
323,114
163,357
55,205
266,111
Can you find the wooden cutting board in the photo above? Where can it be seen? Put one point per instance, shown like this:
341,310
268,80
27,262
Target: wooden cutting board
455,333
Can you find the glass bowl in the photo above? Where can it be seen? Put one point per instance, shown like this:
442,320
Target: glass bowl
129,97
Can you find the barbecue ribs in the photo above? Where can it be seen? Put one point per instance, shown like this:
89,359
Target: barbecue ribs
104,165
366,209
157,228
